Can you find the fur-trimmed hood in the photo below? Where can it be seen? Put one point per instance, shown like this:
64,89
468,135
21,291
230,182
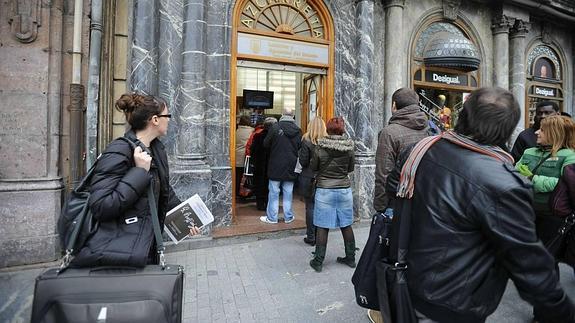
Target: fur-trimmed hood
339,143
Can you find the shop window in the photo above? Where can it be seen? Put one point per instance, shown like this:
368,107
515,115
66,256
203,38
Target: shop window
544,80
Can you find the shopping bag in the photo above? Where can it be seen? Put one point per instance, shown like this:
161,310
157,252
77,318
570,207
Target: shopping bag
246,186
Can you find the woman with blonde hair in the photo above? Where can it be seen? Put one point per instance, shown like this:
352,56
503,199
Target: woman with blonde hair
315,130
544,165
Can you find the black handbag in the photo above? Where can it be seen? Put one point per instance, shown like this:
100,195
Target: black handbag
562,245
365,275
393,293
111,294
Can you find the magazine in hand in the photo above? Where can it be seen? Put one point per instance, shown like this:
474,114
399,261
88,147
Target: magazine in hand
191,212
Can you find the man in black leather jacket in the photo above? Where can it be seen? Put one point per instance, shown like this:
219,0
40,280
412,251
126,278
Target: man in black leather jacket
473,225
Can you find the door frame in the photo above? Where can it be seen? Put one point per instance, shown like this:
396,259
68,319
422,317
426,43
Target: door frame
327,84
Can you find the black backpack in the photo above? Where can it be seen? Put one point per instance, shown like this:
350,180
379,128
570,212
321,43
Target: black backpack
76,223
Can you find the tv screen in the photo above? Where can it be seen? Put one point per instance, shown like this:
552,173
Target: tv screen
258,99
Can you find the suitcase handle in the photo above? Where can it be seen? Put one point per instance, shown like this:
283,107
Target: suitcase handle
104,270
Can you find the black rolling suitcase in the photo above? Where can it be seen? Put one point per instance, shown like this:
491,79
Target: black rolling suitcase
110,294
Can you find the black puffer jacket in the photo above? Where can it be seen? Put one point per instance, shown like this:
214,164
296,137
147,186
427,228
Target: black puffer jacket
473,229
307,175
283,141
119,192
332,160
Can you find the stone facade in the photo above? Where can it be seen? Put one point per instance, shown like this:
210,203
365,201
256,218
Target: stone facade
182,52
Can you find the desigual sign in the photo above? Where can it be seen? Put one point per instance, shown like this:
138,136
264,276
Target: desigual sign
445,78
544,91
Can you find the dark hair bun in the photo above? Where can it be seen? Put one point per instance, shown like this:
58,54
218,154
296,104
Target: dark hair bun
127,103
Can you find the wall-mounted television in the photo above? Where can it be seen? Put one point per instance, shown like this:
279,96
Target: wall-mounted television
258,99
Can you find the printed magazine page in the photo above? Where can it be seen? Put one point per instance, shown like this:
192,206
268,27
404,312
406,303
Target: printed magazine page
191,212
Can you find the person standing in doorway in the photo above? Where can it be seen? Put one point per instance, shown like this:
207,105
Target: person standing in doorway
527,138
243,133
260,156
283,141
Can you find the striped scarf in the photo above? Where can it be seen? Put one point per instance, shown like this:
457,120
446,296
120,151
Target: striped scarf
407,178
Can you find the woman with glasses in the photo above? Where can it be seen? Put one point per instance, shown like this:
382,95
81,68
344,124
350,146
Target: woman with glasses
119,186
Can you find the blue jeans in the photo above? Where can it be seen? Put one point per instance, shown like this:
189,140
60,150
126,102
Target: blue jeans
274,197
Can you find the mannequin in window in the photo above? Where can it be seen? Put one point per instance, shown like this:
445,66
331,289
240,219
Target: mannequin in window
543,71
444,112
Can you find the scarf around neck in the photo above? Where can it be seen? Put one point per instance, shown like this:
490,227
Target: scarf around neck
409,169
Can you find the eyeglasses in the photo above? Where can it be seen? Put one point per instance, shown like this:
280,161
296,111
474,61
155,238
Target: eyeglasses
169,115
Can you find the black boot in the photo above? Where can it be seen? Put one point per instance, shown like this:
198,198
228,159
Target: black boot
349,258
319,256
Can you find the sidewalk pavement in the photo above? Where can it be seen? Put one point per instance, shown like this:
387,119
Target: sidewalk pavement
263,281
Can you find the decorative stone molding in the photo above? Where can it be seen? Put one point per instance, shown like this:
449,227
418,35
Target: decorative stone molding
501,24
545,34
451,9
394,3
519,29
26,18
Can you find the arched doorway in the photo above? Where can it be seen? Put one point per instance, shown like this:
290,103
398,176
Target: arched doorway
284,47
444,69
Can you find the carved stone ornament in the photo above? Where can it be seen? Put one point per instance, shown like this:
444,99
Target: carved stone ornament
451,9
520,28
501,24
25,20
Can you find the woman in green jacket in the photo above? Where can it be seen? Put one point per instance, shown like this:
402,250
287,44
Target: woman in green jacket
544,165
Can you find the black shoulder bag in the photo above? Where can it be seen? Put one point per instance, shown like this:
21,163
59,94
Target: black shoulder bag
393,293
365,275
76,224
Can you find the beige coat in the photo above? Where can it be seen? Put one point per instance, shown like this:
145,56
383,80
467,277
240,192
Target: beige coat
243,133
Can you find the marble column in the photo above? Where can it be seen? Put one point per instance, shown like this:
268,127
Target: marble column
517,68
144,68
394,51
364,111
500,30
217,117
190,174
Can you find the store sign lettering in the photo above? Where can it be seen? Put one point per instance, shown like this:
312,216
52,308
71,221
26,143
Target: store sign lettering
446,79
282,49
544,91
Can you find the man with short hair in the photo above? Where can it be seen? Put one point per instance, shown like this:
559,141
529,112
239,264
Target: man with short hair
472,223
408,125
283,141
527,138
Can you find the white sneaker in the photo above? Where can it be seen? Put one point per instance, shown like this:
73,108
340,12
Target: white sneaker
266,220
289,220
